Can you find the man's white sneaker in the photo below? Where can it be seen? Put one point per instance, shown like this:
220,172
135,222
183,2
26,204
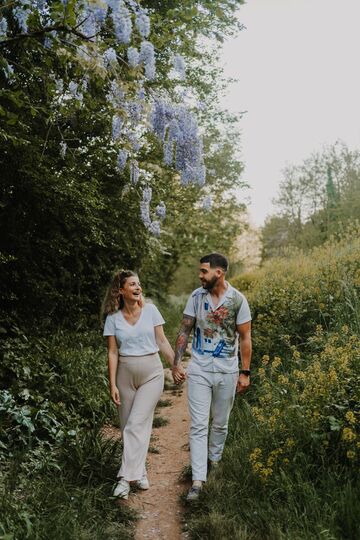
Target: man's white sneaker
122,489
143,483
194,493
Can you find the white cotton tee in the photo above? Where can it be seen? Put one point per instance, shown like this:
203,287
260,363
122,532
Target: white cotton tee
215,341
137,339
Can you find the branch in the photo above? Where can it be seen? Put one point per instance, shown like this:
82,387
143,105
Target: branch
47,29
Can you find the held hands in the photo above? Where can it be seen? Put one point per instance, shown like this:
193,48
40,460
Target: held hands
179,374
243,383
115,395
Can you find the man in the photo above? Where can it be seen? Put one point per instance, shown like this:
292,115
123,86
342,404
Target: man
219,314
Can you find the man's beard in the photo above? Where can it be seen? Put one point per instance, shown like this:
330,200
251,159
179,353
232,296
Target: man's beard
209,285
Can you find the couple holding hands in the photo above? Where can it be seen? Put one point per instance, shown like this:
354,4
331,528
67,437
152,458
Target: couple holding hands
220,319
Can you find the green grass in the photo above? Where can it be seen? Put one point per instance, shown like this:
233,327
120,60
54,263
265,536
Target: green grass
296,505
164,403
69,501
57,471
291,461
160,421
154,450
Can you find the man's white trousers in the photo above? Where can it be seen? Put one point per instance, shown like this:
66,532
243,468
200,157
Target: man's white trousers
209,394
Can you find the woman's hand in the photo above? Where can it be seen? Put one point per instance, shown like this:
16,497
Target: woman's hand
115,395
179,374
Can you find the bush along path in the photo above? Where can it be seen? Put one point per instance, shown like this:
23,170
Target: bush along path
159,509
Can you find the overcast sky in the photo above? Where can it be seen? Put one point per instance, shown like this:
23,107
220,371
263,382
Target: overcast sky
298,65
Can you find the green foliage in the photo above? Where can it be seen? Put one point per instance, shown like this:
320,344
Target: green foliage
57,468
316,199
289,296
69,221
51,390
290,465
71,502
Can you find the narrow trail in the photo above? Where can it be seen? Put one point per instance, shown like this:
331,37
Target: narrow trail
159,508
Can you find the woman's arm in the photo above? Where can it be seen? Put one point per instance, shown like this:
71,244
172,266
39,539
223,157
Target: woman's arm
164,345
113,359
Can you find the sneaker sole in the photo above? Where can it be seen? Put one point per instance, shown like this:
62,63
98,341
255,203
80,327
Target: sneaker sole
125,497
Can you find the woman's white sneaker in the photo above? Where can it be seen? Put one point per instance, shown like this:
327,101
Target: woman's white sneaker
143,483
122,489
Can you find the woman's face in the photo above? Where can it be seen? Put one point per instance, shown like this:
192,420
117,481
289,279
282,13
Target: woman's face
131,290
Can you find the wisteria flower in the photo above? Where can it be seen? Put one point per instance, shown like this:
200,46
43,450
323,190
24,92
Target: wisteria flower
143,23
147,57
133,57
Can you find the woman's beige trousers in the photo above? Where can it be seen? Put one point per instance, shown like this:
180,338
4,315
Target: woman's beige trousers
140,380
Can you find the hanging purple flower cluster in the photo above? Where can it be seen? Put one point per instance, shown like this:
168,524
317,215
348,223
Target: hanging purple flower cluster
121,18
133,57
143,23
147,57
110,58
174,125
122,159
3,27
117,124
21,14
178,128
74,91
152,226
160,210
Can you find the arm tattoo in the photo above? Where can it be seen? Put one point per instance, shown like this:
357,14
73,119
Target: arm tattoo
182,338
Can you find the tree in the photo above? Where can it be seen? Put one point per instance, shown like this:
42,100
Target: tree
316,198
81,112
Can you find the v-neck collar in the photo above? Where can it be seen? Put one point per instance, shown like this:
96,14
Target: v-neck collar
127,322
222,299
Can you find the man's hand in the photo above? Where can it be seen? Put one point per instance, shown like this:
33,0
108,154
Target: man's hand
243,383
179,374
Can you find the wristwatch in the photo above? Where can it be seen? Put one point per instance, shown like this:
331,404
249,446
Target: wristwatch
245,372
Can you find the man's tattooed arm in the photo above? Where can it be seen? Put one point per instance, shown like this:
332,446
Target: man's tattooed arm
183,337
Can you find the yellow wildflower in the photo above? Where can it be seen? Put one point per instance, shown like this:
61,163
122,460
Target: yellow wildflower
350,454
333,375
350,417
276,362
290,443
264,473
282,379
255,454
261,372
265,359
296,355
299,374
348,435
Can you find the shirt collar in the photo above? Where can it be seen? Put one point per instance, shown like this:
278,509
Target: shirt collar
222,299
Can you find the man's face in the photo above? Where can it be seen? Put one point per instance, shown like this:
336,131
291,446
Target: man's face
209,276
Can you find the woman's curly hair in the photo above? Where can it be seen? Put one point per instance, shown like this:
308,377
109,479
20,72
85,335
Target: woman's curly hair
113,300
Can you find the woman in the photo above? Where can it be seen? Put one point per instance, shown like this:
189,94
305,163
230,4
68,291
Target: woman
135,335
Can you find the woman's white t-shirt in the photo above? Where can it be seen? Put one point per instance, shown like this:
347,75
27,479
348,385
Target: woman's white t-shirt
137,339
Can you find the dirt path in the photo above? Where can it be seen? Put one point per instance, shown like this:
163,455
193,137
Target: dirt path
159,507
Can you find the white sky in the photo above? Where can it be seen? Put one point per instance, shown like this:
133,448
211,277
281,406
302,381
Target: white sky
297,63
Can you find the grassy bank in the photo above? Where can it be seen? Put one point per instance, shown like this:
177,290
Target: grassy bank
290,469
56,470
